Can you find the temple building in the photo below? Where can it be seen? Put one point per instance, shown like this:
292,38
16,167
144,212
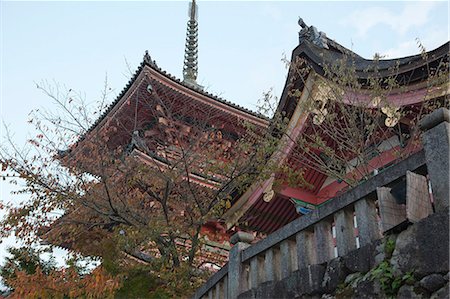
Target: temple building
159,122
157,115
266,209
363,167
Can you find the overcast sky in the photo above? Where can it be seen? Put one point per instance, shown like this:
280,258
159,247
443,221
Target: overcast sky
240,44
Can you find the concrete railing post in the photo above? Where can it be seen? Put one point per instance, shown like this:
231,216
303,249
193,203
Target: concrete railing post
436,135
345,232
237,280
269,266
288,258
367,221
324,241
305,249
256,271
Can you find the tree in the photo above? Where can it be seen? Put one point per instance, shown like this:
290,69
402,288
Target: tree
30,276
136,189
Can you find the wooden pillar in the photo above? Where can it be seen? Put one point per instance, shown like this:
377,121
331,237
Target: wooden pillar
418,203
391,213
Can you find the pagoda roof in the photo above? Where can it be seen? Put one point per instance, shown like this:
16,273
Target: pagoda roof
320,57
147,61
408,70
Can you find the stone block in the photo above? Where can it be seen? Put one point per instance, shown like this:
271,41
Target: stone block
344,227
423,248
380,254
361,259
407,292
250,294
310,280
291,286
367,289
432,282
351,278
266,290
442,293
334,275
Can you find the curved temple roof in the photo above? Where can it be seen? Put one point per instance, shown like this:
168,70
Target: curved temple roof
408,70
147,61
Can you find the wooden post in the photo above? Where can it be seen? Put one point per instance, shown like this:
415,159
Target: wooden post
391,213
418,204
367,221
345,232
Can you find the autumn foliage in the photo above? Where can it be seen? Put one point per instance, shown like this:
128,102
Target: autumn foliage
137,190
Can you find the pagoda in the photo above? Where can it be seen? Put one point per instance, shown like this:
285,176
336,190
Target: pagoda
156,124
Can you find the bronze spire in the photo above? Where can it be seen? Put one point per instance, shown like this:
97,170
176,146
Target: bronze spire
190,67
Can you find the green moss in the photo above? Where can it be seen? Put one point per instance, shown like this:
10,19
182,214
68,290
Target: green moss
389,282
389,247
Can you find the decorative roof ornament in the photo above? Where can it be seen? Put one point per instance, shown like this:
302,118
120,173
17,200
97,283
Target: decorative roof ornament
310,33
190,68
148,59
393,115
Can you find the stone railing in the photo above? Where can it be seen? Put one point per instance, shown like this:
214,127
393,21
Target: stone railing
349,221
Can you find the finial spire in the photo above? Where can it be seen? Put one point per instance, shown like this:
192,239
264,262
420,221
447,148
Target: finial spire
190,68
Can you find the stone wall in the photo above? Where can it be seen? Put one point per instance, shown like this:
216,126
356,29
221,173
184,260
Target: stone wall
411,264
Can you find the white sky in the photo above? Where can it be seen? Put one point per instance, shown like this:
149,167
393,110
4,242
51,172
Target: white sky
240,44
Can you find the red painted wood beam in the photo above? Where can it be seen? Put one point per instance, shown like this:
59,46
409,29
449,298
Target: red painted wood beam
380,161
298,193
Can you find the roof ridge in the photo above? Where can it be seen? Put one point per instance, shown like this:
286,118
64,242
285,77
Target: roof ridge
153,65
